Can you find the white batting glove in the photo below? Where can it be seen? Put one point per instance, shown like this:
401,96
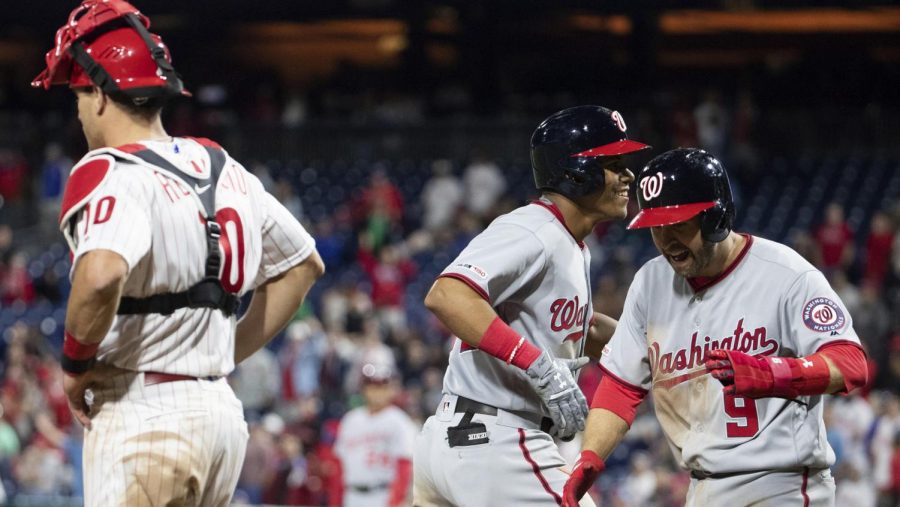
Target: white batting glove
553,380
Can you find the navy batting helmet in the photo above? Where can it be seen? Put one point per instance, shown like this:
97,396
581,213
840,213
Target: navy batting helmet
567,149
681,184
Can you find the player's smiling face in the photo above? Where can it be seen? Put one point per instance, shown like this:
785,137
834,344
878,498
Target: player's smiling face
682,245
612,201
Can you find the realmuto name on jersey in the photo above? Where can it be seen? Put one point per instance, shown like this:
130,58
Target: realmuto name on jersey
754,343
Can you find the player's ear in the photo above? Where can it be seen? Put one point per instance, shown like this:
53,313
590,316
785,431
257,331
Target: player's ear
102,101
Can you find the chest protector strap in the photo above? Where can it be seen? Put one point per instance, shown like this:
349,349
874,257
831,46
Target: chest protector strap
208,292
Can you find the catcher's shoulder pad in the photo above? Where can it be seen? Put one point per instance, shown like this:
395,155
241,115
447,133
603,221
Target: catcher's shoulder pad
85,178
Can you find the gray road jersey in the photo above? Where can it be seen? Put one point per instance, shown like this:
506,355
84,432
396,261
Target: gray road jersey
533,272
773,302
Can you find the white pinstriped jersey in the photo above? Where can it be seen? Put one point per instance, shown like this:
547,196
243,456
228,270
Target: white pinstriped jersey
534,274
772,302
369,445
155,222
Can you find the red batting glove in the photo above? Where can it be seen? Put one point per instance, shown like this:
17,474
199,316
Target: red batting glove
586,471
743,374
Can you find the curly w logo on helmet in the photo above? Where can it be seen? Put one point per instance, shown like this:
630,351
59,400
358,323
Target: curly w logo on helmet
651,186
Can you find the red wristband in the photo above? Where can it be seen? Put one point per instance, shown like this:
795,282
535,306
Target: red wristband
77,357
74,349
503,343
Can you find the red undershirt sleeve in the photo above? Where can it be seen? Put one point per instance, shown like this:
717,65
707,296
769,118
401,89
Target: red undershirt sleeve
850,359
618,397
400,486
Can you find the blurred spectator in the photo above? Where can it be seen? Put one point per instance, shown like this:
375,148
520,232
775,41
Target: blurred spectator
13,172
835,239
805,245
262,459
848,293
284,192
331,242
15,283
379,208
441,196
712,123
872,322
484,184
256,383
892,498
389,274
892,380
639,488
683,126
852,416
288,487
302,358
54,173
744,153
886,429
6,242
262,172
878,249
296,111
40,471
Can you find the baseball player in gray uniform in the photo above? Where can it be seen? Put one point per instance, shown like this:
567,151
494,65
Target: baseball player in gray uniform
166,234
519,299
737,337
374,443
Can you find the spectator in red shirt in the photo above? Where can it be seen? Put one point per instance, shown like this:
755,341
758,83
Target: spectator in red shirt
379,208
835,239
878,249
389,273
15,283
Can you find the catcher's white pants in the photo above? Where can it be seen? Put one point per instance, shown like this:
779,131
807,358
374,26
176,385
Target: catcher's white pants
520,465
174,444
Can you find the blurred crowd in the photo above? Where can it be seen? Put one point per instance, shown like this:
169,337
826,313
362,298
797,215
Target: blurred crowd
383,244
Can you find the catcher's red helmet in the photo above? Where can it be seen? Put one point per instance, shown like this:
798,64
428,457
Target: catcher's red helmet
106,43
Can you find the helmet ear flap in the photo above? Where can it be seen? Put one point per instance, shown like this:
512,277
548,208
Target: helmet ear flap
715,224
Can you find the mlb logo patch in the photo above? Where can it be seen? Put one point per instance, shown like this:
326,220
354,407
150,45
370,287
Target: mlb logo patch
823,315
475,269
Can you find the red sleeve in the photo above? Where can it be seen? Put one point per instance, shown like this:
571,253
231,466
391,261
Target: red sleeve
618,397
850,360
400,486
336,486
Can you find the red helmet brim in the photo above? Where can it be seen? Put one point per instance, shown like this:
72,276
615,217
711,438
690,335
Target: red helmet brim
612,149
668,215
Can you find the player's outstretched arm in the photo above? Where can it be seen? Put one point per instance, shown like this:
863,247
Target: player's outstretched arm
96,288
603,433
273,304
836,368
